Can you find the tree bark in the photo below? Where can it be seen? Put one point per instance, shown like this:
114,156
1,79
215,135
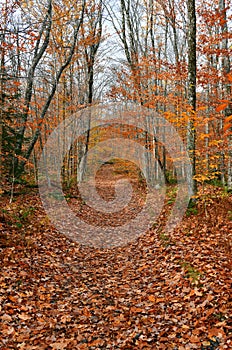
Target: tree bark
90,56
191,130
225,93
38,54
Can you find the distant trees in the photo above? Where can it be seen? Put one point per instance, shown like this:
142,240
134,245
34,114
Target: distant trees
52,53
11,37
50,67
73,24
182,73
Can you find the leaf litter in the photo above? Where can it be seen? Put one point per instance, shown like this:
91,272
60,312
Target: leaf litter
157,292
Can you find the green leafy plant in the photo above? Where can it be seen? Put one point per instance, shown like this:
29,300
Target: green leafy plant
191,272
18,216
171,194
165,239
192,209
171,179
220,316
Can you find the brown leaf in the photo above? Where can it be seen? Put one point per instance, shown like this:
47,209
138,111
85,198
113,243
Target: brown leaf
24,317
136,309
214,332
12,298
6,317
194,339
60,345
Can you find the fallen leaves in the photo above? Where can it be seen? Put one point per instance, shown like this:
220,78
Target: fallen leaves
152,298
56,294
6,318
194,339
24,317
61,345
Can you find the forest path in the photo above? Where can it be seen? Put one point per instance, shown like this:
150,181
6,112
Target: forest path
157,292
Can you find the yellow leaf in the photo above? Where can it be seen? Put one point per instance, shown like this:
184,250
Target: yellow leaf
206,343
185,327
152,298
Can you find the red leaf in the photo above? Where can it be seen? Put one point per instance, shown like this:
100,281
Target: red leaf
222,107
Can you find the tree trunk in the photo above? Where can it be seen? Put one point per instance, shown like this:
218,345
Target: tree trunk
90,56
225,93
191,130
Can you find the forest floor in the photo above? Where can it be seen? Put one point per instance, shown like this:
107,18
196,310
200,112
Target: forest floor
158,292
